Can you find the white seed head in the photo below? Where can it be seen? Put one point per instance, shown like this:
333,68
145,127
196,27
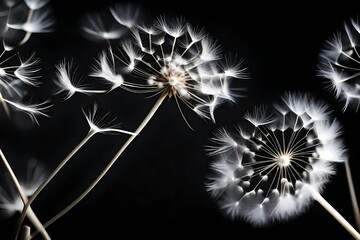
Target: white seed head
339,64
278,177
175,59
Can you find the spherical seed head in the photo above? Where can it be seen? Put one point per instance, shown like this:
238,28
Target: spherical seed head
277,161
339,64
174,59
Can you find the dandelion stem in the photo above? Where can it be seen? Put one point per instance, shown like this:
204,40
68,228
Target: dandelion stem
28,34
173,47
111,54
52,175
25,232
5,106
107,168
317,196
30,213
352,194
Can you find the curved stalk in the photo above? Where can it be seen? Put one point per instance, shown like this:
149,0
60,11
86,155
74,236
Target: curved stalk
107,168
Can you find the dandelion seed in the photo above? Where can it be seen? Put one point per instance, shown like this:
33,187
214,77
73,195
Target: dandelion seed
68,82
40,22
275,171
32,110
105,70
102,123
96,27
126,15
11,3
28,70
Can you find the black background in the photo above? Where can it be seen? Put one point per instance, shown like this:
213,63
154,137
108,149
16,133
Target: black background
156,189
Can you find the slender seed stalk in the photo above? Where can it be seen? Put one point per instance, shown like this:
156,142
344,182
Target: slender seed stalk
28,34
52,175
317,196
30,213
25,233
107,168
352,194
5,106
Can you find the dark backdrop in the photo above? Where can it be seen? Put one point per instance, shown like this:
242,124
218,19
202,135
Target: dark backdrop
156,189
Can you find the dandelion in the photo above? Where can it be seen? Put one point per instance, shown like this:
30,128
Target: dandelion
176,61
274,168
340,66
170,59
11,203
98,123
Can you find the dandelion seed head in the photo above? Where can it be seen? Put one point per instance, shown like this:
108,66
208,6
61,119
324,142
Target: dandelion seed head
172,58
339,64
276,167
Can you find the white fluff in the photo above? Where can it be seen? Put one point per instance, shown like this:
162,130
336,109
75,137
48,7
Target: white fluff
289,154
